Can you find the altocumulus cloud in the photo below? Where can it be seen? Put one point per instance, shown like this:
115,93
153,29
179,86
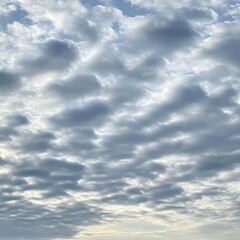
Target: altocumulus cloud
122,112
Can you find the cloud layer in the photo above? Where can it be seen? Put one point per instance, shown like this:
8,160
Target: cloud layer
123,113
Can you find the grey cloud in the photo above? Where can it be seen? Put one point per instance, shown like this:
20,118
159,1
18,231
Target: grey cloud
55,55
217,139
75,87
208,138
114,182
128,123
7,132
125,94
128,137
9,198
52,177
118,151
208,166
214,75
152,196
226,51
198,14
109,187
90,113
206,127
55,164
165,37
107,62
12,122
88,30
211,191
50,165
84,133
135,191
79,142
31,172
38,142
147,69
129,170
3,162
36,221
92,25
9,82
78,147
18,120
163,191
182,97
215,164
226,96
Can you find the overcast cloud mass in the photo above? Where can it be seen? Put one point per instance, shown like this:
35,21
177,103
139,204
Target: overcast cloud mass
120,119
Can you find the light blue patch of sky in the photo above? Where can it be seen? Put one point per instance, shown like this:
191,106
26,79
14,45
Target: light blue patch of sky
116,26
223,12
18,15
125,6
129,9
91,3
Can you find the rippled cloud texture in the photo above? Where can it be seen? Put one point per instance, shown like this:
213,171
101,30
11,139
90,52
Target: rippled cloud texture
119,119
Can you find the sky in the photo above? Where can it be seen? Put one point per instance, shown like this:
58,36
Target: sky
119,119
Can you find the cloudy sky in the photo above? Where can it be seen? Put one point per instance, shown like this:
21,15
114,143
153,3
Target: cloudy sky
119,119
